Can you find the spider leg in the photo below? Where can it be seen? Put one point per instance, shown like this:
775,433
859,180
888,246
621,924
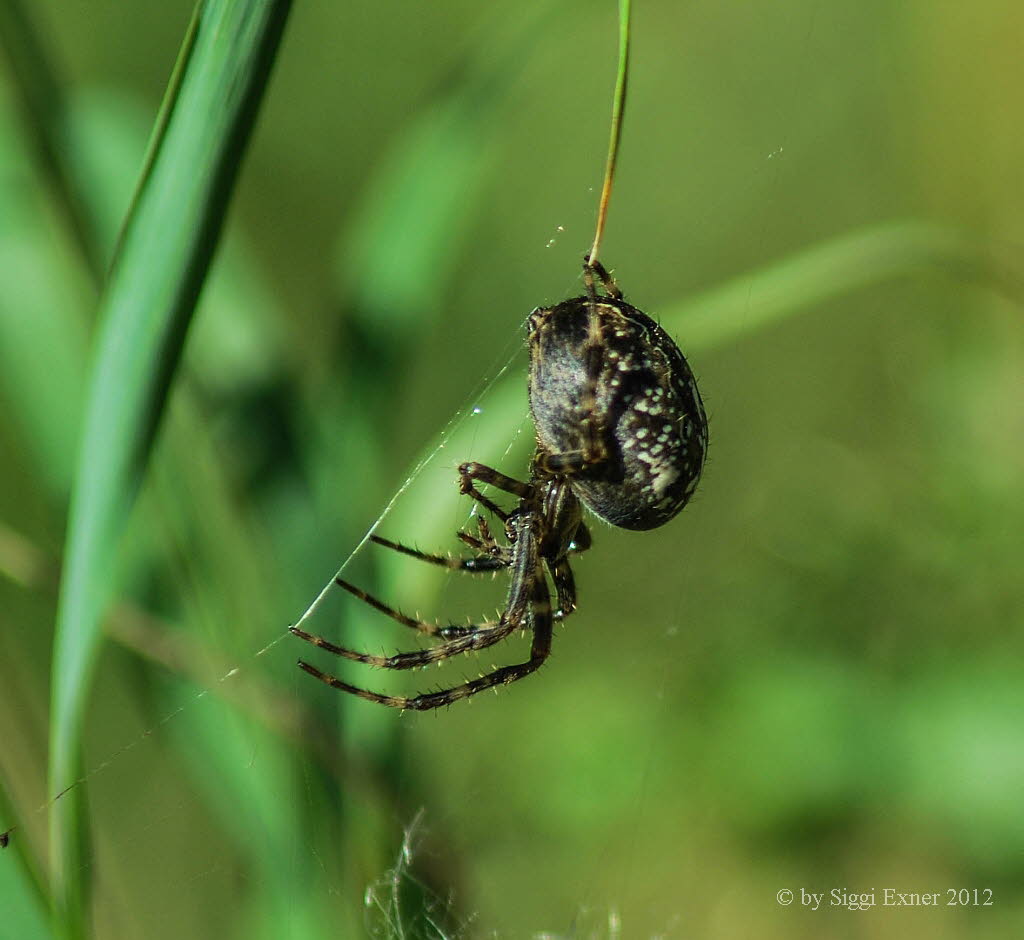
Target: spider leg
565,587
590,268
484,539
485,543
540,607
420,626
471,540
582,540
472,471
482,636
484,528
467,489
395,701
568,462
484,563
528,592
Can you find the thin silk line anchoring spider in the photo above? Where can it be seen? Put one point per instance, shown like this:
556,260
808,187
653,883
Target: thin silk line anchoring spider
620,428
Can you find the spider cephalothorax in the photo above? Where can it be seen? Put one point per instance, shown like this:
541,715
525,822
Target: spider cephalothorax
620,426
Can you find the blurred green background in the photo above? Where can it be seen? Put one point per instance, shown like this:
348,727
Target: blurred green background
811,679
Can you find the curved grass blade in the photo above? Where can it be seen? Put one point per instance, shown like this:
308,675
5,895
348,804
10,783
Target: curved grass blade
40,320
40,95
165,251
832,268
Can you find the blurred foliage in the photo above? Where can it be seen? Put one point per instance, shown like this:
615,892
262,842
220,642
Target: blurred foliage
811,679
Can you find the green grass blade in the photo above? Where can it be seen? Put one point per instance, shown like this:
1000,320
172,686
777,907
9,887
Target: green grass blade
165,251
40,94
829,269
41,308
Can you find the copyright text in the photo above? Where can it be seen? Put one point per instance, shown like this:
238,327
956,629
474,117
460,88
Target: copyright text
885,897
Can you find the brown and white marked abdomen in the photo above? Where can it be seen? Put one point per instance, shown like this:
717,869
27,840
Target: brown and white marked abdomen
646,406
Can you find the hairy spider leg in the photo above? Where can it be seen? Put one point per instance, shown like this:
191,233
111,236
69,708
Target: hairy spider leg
420,626
565,586
590,268
472,471
485,543
529,591
484,528
482,564
483,635
582,540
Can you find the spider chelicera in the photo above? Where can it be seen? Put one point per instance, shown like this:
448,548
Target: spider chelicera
620,427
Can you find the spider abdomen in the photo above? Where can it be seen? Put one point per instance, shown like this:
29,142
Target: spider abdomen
643,413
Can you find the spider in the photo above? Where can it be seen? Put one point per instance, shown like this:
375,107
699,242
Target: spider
620,427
